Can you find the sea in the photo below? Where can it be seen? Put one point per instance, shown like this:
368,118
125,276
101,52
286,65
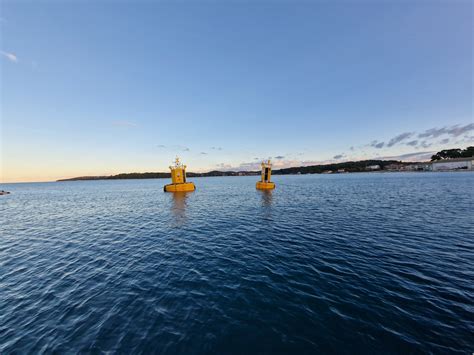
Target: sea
363,263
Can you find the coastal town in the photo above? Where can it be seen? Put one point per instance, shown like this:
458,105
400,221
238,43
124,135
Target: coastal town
457,164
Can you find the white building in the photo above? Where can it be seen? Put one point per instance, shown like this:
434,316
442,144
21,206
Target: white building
373,167
454,164
421,167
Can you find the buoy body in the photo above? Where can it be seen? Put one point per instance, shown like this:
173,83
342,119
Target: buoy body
265,183
186,186
178,179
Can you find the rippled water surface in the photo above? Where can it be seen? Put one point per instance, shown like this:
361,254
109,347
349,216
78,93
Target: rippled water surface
355,263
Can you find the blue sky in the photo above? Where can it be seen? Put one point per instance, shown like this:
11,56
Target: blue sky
92,88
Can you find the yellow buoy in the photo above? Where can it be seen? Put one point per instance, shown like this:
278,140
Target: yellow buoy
265,183
178,179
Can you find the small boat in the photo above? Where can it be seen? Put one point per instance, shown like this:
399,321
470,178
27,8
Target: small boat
3,192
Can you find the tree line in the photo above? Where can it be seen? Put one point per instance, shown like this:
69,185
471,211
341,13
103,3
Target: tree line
454,153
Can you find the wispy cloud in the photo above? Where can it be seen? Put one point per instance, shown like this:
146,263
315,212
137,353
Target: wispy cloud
203,153
255,165
223,166
277,164
453,131
249,166
419,142
181,148
428,137
10,56
122,123
425,144
376,144
178,147
418,156
399,138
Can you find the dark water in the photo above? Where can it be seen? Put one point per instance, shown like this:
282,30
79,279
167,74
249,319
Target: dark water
356,263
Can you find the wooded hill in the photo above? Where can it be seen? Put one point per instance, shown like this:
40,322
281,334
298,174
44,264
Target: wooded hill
454,153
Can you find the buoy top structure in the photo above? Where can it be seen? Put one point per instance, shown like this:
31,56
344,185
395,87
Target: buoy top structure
265,183
178,179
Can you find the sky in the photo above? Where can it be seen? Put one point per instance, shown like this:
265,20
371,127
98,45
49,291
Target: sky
105,87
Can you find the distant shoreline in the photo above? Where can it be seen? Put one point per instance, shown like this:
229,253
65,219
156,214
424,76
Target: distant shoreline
258,173
96,178
337,168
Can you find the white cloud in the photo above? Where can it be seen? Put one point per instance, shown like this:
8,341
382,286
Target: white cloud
10,56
